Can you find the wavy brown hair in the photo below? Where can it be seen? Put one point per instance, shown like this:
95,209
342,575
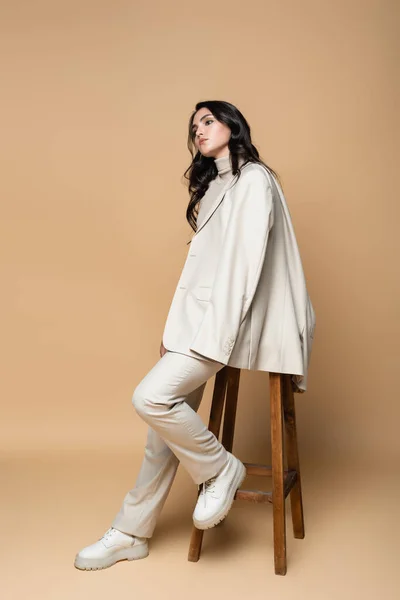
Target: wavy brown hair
202,169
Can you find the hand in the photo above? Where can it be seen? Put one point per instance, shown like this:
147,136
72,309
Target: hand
163,350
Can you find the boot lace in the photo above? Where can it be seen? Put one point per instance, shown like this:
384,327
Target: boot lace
207,488
109,533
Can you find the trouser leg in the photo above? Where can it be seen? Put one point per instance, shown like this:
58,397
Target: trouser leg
142,505
163,400
160,399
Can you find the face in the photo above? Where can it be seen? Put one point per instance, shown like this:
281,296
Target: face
211,137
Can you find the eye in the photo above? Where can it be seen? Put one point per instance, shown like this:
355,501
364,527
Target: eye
206,122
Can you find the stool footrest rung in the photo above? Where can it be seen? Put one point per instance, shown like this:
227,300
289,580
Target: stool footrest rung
259,496
256,469
254,496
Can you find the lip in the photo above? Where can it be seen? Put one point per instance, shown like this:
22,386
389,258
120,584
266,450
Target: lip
202,141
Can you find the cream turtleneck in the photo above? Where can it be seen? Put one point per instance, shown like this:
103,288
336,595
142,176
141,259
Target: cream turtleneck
223,165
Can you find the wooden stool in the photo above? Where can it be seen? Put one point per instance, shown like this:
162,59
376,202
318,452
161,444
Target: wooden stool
284,482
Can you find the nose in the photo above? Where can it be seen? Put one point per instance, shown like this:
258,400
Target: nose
199,134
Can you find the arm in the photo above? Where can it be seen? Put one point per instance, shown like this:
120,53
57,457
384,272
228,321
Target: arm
241,259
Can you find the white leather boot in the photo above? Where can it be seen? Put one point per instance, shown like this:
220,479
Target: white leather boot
217,494
111,548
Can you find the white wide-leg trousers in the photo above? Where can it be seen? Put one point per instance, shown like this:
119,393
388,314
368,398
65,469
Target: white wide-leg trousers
168,398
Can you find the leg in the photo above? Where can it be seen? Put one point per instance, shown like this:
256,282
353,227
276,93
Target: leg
163,399
278,495
143,504
293,462
160,399
230,408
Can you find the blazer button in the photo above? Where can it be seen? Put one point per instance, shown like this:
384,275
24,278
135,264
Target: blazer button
228,345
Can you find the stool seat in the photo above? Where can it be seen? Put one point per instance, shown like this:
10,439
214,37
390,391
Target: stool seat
285,482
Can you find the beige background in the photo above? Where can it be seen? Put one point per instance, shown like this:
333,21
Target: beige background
95,100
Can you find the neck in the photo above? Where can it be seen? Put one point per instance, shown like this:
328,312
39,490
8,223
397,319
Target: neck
223,164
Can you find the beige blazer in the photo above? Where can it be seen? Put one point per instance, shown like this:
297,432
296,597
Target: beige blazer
241,298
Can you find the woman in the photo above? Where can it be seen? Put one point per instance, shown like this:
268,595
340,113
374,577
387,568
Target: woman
241,300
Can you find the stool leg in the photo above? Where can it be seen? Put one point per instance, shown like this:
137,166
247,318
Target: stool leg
230,408
214,425
231,400
293,462
278,496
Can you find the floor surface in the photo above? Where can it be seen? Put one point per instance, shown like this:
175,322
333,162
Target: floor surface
54,504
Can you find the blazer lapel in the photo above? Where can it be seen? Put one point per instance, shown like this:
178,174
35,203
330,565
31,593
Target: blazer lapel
216,202
214,205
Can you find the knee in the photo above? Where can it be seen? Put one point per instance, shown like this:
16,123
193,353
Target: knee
140,402
146,402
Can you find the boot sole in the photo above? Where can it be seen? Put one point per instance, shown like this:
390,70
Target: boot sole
240,476
95,564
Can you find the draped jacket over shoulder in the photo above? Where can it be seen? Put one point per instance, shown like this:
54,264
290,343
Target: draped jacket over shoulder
242,298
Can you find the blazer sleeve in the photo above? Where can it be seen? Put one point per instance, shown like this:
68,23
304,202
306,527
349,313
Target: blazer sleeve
238,271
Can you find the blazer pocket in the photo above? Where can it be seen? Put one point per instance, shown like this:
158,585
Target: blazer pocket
203,292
